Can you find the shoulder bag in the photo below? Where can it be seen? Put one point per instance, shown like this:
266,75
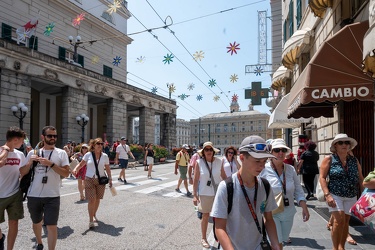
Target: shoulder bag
104,179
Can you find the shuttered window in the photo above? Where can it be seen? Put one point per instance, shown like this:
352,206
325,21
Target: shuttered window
107,71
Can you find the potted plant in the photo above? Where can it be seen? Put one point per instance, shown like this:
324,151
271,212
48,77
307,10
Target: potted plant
161,153
137,151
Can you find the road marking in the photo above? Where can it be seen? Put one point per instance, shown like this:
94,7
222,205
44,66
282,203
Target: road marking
137,184
156,188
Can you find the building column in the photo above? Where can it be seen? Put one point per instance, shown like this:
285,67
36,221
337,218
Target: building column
146,125
129,131
168,132
74,102
116,120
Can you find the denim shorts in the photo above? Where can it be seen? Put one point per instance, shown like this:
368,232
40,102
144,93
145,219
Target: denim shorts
123,163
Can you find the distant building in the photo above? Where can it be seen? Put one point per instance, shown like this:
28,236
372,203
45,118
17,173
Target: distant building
135,138
183,132
229,128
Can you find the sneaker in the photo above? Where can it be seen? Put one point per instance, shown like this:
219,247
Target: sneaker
125,182
2,240
178,190
39,247
188,194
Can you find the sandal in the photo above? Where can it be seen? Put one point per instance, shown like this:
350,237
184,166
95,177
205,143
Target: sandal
91,225
82,198
205,243
350,240
329,226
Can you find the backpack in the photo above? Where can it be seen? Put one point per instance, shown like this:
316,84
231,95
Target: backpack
27,179
230,191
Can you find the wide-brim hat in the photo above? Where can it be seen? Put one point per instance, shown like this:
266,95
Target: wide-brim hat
255,146
208,144
280,143
342,137
85,146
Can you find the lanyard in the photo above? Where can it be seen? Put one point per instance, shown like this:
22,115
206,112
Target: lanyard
123,148
248,200
49,157
209,169
283,183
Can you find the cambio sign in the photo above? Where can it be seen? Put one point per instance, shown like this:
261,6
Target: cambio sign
334,93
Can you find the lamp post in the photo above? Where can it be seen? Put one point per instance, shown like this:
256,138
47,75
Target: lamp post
21,107
82,121
75,45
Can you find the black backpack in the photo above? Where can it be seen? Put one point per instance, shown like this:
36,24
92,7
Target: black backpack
27,179
230,190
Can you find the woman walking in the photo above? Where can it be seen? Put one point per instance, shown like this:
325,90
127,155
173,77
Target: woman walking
80,176
206,180
95,160
345,175
229,163
149,158
286,185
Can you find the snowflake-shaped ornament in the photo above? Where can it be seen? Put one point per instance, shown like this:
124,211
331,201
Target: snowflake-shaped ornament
191,86
183,96
199,98
95,59
78,19
232,48
168,58
258,70
233,78
113,7
116,61
235,98
154,90
216,98
198,55
212,83
141,59
49,29
171,87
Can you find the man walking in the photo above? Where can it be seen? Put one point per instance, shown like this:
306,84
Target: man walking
43,198
182,162
250,202
122,152
11,160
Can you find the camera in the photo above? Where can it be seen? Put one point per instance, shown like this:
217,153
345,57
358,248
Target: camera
45,179
286,202
208,183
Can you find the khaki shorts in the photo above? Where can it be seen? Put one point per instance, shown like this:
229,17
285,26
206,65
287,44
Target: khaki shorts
183,171
205,205
14,207
92,189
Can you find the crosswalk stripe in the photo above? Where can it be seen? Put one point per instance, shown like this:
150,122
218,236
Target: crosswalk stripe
156,188
137,184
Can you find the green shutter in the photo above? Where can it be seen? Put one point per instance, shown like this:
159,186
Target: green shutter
62,53
107,71
299,13
284,31
33,41
81,60
291,18
6,31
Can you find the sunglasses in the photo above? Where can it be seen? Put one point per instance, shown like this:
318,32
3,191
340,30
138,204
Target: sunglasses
277,150
256,147
84,148
231,152
209,149
51,136
342,142
100,143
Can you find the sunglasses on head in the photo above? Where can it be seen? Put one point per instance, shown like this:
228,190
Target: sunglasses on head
342,142
51,136
277,150
209,149
256,147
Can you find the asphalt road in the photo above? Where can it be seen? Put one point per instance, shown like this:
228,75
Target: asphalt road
146,214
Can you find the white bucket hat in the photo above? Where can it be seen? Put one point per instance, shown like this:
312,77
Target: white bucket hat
280,143
342,137
208,144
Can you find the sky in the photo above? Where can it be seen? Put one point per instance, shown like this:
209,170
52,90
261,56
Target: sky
199,25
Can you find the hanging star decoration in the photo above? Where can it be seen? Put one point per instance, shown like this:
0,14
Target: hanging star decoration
78,19
198,55
154,90
95,59
168,58
199,98
216,98
116,61
49,29
212,83
141,59
191,86
235,98
258,70
232,48
113,7
233,78
183,96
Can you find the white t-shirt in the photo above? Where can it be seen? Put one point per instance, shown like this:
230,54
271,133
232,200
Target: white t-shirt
229,167
10,173
52,187
91,170
205,176
122,151
241,227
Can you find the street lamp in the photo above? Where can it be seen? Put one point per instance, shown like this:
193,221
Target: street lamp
82,121
75,45
21,107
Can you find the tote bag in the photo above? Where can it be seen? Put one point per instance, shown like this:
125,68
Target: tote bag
364,208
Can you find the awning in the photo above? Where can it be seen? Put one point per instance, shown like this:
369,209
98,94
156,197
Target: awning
279,78
294,45
334,73
319,7
279,117
369,50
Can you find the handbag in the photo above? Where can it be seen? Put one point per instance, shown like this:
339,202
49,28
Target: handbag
103,180
319,192
73,164
364,208
280,203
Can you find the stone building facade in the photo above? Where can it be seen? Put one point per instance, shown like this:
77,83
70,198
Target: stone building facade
40,72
